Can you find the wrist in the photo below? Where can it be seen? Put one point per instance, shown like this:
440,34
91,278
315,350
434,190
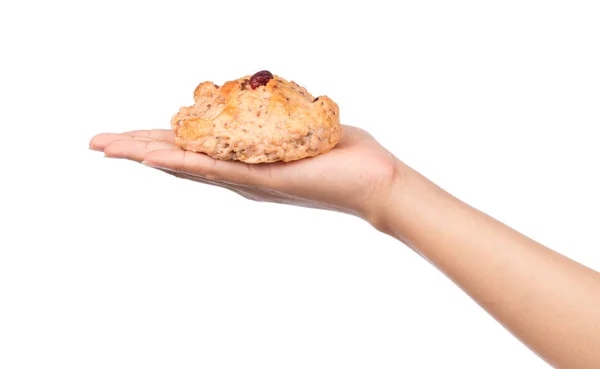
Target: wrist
380,213
409,201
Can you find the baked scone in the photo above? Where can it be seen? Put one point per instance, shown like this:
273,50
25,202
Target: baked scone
257,119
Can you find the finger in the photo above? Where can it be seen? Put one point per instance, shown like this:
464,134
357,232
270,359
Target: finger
165,135
135,149
207,167
248,194
100,141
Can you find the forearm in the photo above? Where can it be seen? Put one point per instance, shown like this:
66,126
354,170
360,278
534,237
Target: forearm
551,303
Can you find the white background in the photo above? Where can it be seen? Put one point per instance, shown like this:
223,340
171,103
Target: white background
108,264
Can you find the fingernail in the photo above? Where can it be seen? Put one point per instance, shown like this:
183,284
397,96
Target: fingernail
147,164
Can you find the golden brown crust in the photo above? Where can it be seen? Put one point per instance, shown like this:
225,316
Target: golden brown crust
280,121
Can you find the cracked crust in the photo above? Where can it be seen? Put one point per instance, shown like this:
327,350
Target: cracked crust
280,121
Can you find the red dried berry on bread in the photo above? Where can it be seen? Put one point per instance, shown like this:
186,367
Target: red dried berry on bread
260,78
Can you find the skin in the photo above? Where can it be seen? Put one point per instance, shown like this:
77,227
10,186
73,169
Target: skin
546,300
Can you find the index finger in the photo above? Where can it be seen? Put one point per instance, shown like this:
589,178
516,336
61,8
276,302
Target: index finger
165,135
100,141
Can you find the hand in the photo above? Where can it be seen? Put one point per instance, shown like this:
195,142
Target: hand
353,178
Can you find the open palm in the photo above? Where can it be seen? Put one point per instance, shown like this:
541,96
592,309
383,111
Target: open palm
349,178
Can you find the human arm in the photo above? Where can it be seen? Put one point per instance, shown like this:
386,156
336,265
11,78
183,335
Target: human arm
549,302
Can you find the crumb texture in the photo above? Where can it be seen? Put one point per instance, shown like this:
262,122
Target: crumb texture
274,120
